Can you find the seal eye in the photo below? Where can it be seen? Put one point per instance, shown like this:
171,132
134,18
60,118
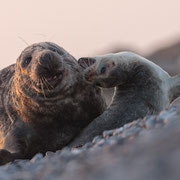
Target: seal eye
26,61
103,70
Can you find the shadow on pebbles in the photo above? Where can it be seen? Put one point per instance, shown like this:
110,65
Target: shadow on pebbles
146,149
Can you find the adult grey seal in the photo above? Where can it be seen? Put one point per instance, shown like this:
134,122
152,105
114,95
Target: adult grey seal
44,102
142,88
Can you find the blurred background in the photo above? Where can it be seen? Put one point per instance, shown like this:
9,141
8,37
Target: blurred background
86,28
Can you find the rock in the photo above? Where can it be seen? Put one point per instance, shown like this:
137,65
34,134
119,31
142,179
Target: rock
36,158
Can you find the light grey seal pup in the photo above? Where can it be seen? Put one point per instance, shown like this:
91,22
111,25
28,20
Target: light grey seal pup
142,88
45,102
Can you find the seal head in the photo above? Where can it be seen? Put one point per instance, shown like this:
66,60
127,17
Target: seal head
45,73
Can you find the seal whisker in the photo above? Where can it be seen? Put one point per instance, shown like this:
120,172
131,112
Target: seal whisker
48,83
45,82
42,88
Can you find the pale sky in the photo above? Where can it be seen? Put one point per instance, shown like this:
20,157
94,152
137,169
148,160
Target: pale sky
86,27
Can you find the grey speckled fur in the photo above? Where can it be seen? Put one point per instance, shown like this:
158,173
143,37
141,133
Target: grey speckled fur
44,102
142,88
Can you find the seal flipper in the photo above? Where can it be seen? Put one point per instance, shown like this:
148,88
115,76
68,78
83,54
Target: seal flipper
174,90
6,156
85,62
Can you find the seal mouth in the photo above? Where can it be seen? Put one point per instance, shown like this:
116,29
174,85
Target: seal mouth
52,80
89,75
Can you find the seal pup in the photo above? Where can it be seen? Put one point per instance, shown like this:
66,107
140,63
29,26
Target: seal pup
44,102
142,88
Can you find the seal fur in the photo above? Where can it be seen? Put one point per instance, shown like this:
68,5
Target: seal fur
44,102
142,88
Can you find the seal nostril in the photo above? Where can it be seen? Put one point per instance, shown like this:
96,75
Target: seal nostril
45,58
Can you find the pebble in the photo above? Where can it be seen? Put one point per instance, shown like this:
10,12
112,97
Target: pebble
36,158
126,126
108,133
118,131
76,151
29,169
49,154
150,123
96,139
88,145
101,142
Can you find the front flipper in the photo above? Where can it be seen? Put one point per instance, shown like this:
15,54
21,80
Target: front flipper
15,145
85,62
6,156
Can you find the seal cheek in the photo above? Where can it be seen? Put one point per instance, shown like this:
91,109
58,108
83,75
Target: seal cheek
24,71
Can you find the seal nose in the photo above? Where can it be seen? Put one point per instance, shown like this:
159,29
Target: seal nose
46,59
89,75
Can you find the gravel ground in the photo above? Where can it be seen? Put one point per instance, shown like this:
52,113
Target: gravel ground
146,149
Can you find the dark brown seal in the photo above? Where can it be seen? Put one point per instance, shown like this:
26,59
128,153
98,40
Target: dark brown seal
44,102
142,88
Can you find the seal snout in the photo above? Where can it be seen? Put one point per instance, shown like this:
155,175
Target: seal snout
46,59
49,67
89,75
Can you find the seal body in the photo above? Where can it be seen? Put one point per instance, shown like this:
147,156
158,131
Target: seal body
141,88
44,102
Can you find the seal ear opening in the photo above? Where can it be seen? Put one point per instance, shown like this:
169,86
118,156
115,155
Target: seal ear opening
174,90
86,62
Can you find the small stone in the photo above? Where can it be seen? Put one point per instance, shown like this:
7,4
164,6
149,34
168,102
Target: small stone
150,122
108,133
36,158
132,131
49,154
101,143
112,140
96,139
76,151
118,131
88,145
126,126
